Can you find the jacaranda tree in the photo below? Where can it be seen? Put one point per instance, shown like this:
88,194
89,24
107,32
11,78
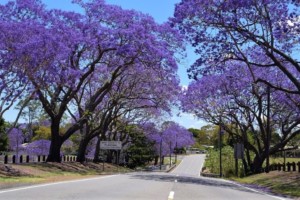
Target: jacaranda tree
260,34
56,52
170,136
136,94
232,100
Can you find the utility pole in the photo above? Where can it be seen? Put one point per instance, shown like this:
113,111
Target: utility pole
160,149
268,136
176,151
220,147
170,154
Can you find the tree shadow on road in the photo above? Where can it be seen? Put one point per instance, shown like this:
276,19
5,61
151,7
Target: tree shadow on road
190,180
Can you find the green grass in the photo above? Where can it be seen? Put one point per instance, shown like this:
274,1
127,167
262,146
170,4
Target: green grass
287,183
53,172
281,160
167,160
42,177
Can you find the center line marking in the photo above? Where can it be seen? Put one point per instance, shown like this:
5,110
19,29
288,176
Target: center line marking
171,195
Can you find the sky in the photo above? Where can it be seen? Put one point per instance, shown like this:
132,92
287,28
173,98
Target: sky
160,10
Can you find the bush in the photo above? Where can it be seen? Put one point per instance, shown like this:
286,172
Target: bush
212,162
3,136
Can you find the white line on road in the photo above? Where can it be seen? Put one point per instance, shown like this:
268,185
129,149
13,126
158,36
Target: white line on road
57,183
171,195
201,166
176,166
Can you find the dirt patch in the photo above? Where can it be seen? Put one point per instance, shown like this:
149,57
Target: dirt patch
38,168
9,170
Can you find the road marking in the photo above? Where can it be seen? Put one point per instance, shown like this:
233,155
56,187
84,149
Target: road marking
202,165
57,183
172,171
171,195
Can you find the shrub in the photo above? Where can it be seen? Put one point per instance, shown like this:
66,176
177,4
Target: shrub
212,162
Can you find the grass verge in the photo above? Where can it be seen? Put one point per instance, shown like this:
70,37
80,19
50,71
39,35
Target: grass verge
285,183
30,174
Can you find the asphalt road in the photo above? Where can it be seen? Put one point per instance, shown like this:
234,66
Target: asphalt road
183,183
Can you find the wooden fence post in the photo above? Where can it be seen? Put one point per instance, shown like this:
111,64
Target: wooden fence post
5,159
288,166
279,167
293,166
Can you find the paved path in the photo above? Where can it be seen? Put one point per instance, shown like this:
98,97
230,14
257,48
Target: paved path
190,166
182,183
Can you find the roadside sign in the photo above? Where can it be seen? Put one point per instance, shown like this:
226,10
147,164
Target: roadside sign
239,151
111,145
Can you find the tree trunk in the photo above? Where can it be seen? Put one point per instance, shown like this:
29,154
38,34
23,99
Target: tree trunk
109,158
56,143
245,166
257,164
81,150
55,146
156,160
97,150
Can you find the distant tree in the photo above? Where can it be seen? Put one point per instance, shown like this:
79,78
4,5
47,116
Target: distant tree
15,138
41,147
38,147
141,149
3,136
195,132
203,136
42,132
170,137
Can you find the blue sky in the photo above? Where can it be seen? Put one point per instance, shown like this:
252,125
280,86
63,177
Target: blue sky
160,10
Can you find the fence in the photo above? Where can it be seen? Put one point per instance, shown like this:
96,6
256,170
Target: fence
288,167
13,159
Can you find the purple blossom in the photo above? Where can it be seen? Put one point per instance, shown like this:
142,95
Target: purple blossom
38,147
15,138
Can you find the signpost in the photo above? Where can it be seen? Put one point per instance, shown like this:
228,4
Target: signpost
111,145
238,154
